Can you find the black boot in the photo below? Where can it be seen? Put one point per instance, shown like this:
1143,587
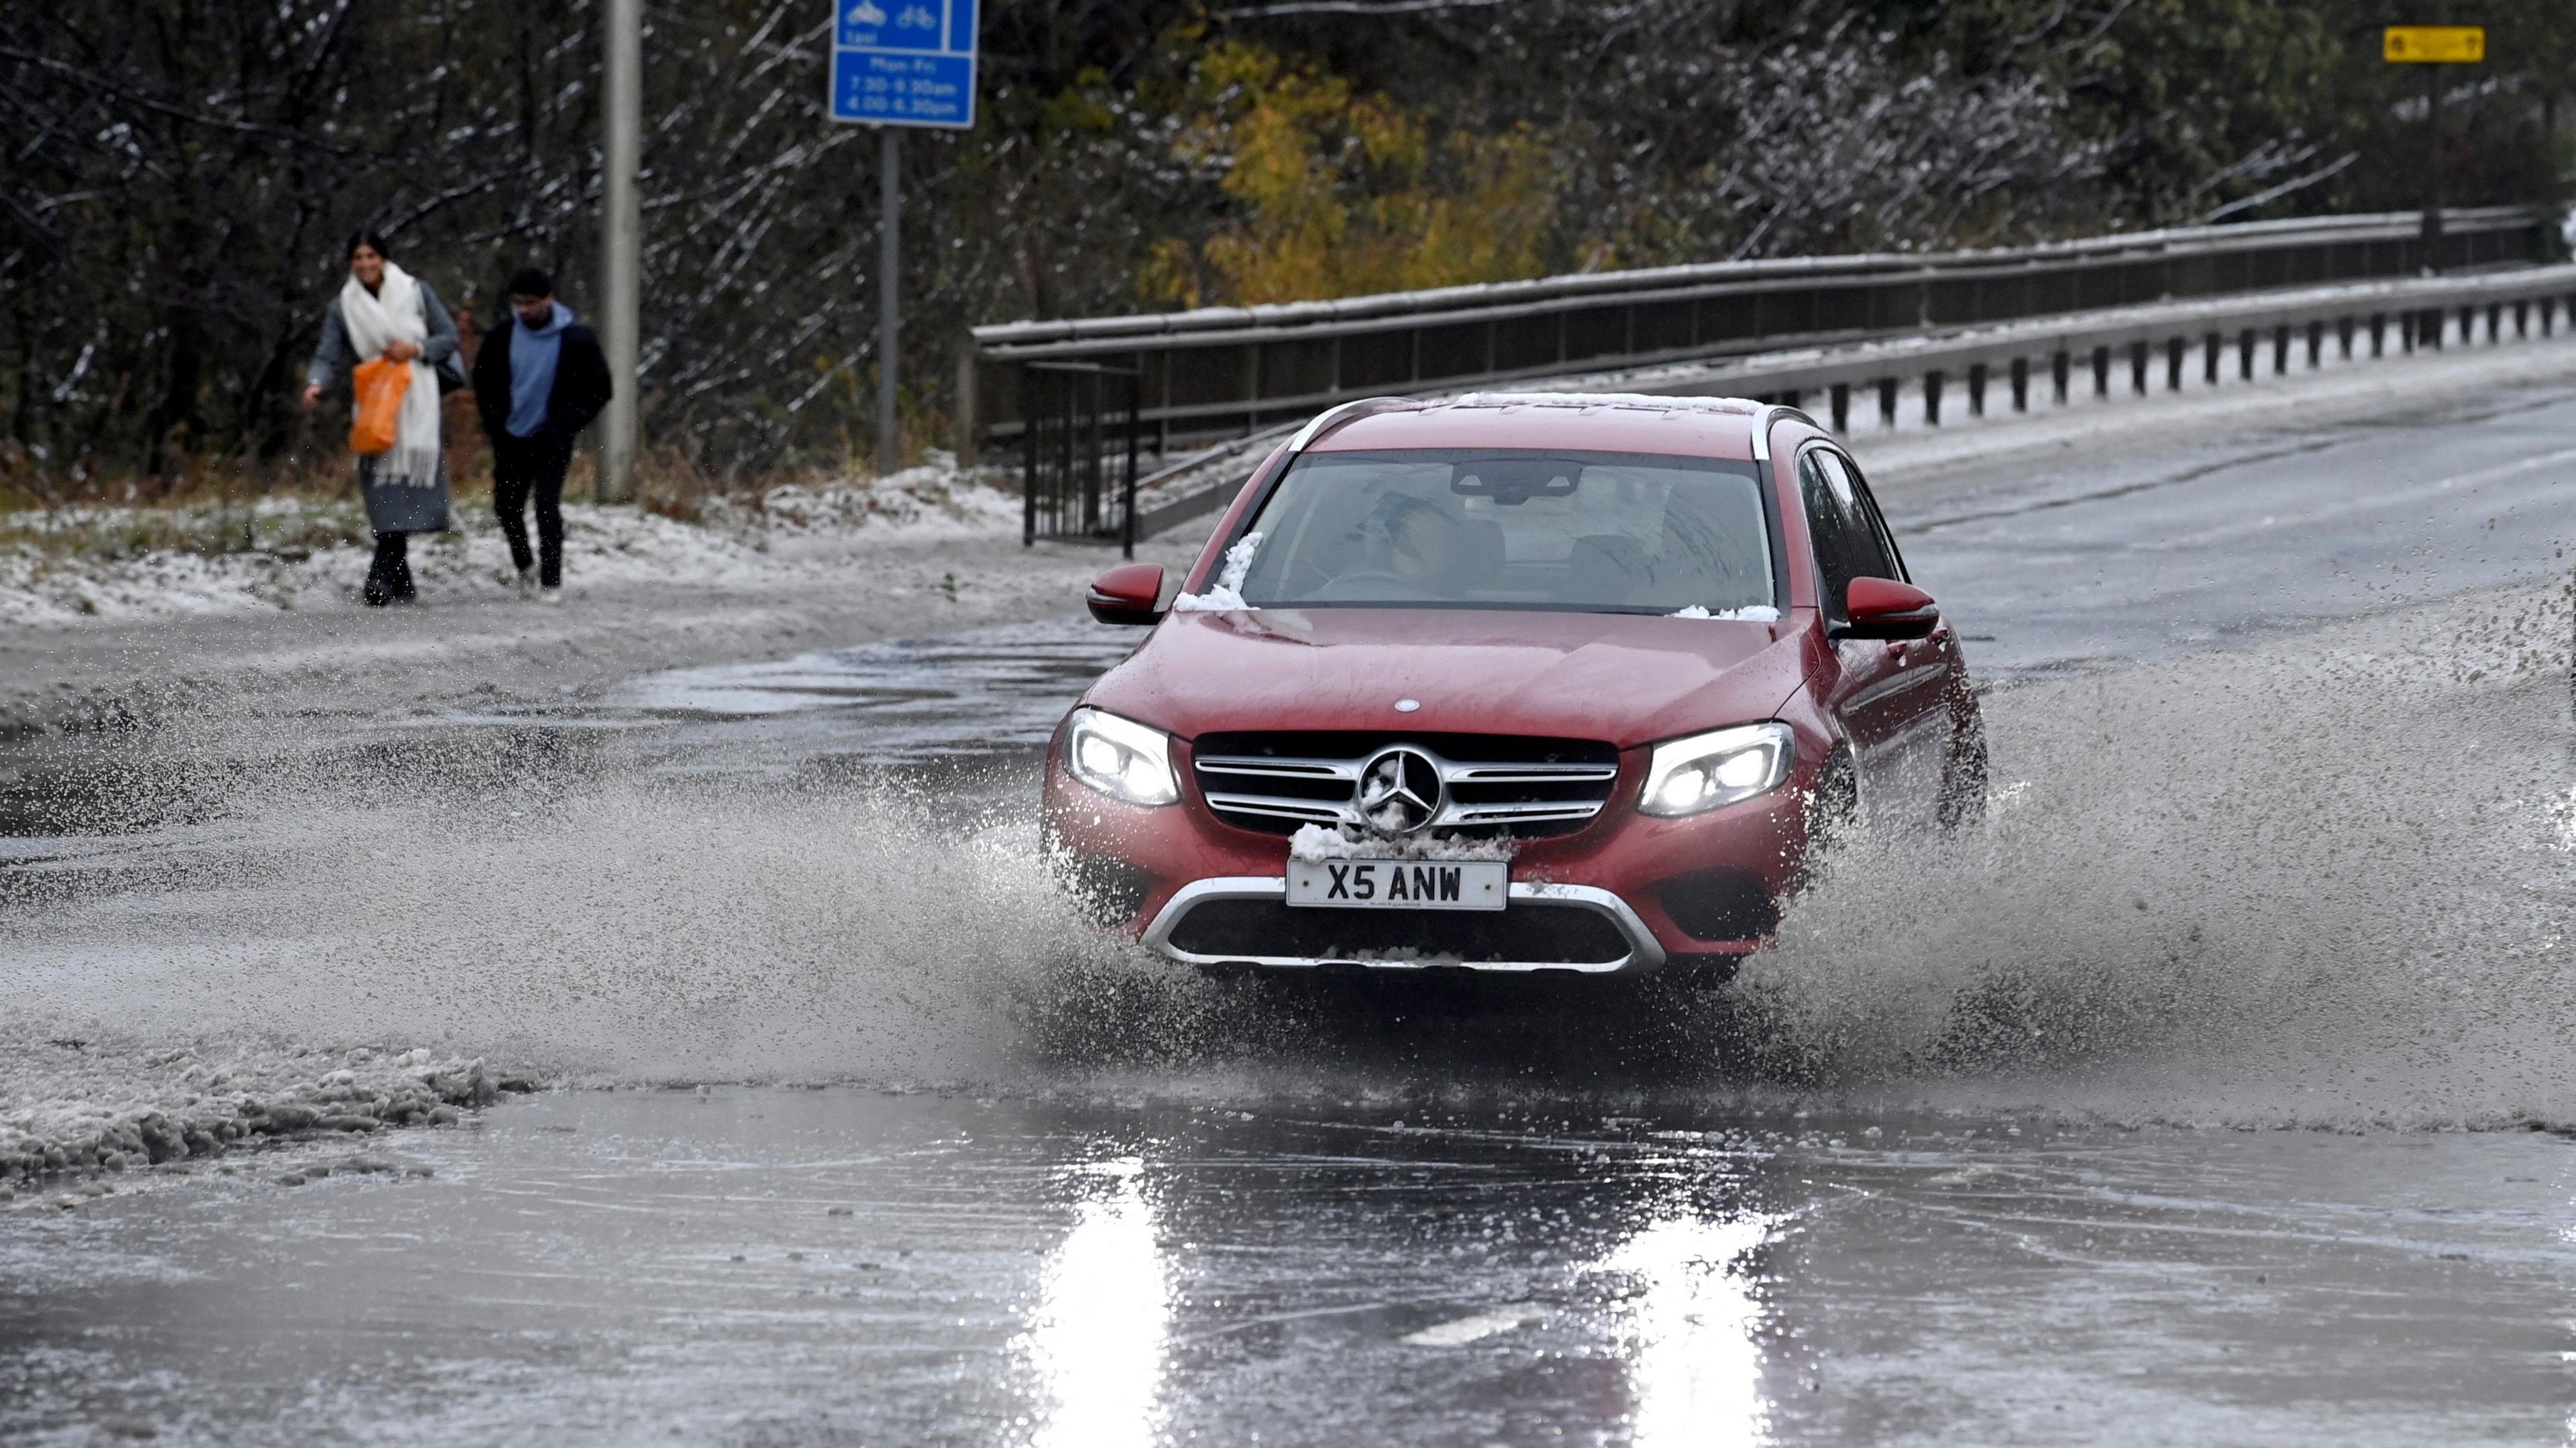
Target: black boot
389,575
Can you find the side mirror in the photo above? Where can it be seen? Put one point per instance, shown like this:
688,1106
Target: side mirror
1882,608
1127,594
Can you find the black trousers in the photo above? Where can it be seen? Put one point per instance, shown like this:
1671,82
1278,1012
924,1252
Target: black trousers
389,576
525,468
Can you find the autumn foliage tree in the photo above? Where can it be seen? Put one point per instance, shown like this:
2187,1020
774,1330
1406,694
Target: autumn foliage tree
1332,192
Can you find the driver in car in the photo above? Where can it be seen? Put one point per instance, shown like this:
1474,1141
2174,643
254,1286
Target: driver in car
1422,542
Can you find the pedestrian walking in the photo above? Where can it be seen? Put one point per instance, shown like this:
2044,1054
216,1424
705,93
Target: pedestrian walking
539,380
385,314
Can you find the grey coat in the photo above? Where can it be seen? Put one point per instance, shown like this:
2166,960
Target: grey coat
395,508
333,359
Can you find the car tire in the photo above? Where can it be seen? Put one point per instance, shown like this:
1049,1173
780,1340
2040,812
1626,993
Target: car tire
1833,812
1964,779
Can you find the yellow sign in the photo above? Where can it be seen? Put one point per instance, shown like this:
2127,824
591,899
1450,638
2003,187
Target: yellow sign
2435,44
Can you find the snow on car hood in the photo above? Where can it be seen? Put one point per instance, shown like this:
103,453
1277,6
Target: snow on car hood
1624,678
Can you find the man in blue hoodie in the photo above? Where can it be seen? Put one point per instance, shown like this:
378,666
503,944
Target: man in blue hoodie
538,380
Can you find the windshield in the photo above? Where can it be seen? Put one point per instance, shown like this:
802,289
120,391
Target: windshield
1593,532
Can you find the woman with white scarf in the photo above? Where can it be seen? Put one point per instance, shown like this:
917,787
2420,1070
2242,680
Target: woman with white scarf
384,311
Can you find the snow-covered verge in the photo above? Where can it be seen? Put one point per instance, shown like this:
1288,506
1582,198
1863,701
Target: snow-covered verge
936,499
109,563
71,1109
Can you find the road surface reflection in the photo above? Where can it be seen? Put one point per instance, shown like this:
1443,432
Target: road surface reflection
1691,1338
1095,1341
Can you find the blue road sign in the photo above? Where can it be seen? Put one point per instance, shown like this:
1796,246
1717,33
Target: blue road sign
904,62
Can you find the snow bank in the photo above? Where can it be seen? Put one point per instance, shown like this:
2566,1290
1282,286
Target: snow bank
934,500
611,544
109,564
71,1105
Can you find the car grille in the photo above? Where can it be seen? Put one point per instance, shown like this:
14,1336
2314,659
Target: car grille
1492,784
1528,931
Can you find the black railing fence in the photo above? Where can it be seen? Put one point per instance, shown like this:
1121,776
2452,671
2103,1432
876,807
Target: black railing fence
1078,452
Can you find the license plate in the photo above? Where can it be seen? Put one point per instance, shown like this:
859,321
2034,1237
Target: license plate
1400,884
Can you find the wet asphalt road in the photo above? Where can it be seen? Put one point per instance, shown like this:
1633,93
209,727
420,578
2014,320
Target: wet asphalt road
2227,540
836,1266
1195,1256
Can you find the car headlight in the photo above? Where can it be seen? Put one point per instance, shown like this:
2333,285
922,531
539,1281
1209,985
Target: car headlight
1705,771
1121,758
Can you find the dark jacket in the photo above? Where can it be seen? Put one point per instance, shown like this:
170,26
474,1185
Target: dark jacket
581,385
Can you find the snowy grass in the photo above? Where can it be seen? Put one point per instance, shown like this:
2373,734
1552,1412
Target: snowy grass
107,563
936,499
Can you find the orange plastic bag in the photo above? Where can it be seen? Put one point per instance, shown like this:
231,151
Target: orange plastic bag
380,386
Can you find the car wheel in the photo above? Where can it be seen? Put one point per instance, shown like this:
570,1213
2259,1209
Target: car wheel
1833,812
1963,780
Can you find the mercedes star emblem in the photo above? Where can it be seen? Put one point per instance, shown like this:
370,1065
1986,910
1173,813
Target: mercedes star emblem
1400,790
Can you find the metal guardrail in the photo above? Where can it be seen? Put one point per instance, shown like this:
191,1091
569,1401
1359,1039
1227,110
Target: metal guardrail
2141,341
2131,344
1231,371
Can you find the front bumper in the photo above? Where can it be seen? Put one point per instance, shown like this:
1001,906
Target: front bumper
1626,894
1286,944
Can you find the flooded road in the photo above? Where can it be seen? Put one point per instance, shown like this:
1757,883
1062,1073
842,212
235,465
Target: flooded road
840,1266
2218,1092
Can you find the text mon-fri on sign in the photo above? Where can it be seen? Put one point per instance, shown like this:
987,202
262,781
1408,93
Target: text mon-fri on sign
904,62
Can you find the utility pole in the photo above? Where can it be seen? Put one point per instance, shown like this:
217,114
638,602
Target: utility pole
622,97
2433,88
889,290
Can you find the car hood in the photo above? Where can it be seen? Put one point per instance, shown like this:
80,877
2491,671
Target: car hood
1625,678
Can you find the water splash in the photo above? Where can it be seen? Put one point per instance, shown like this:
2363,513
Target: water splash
2320,882
2317,882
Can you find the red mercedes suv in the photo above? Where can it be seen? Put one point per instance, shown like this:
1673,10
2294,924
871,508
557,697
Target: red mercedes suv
1514,682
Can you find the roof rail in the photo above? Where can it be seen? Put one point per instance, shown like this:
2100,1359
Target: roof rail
1652,401
1333,417
1767,414
1764,413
